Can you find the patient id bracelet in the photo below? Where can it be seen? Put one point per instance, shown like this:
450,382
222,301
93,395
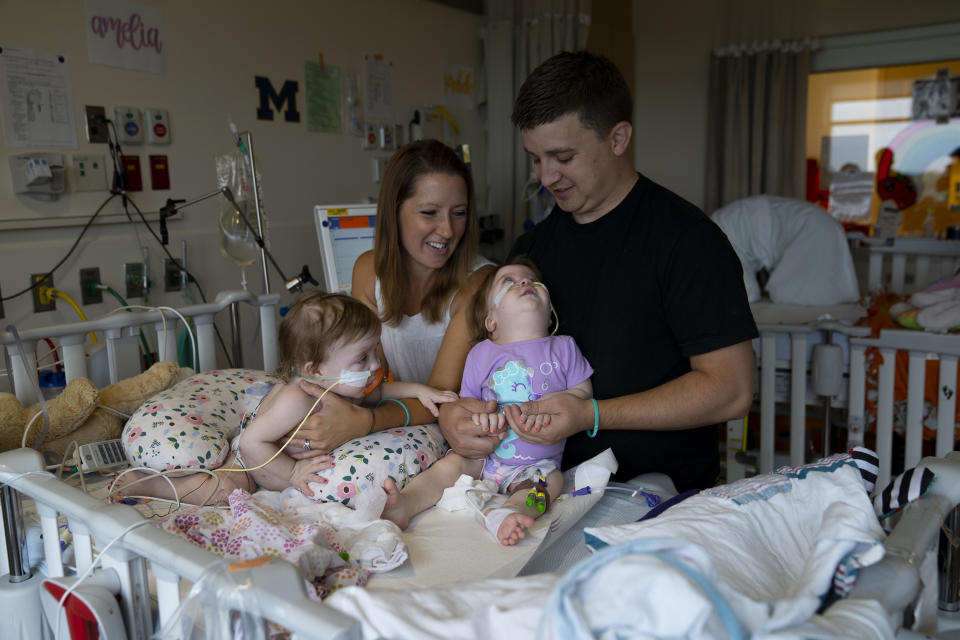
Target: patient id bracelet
596,419
405,410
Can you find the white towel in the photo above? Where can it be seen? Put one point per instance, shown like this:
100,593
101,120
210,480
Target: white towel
377,545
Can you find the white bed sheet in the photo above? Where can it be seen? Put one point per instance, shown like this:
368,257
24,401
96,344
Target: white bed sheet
447,547
814,518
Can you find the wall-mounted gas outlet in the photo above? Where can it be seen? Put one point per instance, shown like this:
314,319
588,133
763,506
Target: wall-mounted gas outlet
89,278
38,280
172,275
133,279
95,118
89,173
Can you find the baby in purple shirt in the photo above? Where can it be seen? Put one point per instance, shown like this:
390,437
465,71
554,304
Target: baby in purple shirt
516,360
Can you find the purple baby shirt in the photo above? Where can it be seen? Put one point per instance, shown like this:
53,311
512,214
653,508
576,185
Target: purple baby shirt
518,372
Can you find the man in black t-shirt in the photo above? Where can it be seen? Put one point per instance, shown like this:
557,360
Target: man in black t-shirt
646,284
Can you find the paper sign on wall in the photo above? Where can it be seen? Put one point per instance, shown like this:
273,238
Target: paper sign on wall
379,103
35,99
125,34
458,87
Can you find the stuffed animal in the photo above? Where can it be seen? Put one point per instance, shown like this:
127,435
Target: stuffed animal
76,414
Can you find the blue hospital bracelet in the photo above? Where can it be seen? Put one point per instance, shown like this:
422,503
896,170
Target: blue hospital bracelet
596,418
405,410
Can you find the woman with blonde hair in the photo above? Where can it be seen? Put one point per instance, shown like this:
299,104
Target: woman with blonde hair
418,278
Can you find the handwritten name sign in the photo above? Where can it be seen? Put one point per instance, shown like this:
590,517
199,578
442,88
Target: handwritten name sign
124,34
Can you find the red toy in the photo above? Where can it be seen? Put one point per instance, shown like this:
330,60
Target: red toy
892,185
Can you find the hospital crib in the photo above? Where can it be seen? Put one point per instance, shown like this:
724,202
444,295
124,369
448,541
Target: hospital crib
143,568
798,383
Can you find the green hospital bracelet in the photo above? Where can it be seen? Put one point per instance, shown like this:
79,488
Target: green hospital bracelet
596,418
405,410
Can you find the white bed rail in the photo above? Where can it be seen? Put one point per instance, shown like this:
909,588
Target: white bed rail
921,348
278,587
120,331
926,259
799,395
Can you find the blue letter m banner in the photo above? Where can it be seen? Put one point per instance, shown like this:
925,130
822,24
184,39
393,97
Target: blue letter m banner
288,95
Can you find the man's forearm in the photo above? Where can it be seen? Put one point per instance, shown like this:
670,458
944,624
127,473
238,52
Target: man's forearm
692,400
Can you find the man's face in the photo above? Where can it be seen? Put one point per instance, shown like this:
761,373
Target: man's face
575,164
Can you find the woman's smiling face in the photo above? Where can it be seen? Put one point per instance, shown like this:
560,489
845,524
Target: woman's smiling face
433,220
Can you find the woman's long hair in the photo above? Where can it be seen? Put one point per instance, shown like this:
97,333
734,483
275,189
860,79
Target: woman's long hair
406,166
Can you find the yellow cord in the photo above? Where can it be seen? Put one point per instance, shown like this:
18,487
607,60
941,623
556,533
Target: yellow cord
292,435
113,490
45,294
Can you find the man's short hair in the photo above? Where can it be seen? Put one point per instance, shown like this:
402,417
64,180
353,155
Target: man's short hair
574,82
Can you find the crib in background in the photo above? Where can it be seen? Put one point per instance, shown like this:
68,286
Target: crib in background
281,595
822,363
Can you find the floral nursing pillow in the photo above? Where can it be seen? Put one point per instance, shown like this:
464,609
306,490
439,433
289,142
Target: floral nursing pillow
364,463
190,426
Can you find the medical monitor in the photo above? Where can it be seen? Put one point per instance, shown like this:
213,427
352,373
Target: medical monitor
343,232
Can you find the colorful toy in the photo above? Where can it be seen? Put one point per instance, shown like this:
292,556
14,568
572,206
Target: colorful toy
538,494
892,185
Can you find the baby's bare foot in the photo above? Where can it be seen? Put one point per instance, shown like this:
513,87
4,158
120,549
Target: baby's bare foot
395,510
513,527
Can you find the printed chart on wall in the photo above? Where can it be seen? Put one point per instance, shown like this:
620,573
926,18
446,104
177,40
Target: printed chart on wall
37,106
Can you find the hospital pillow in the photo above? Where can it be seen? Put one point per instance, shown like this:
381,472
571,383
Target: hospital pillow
190,426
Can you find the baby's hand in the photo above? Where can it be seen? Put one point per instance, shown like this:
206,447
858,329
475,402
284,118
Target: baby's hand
305,471
430,398
490,422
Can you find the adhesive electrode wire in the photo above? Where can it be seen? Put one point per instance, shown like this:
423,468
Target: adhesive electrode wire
49,273
112,491
292,435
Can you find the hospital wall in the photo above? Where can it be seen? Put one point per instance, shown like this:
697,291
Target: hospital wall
673,40
212,52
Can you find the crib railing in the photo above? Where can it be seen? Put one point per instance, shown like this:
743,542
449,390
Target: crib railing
145,561
924,259
773,369
853,394
121,330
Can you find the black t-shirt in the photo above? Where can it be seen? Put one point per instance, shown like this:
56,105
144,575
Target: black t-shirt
641,289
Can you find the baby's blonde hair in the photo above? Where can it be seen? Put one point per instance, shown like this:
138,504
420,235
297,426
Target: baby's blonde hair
318,323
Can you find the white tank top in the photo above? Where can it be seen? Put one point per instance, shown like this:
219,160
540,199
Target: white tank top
412,346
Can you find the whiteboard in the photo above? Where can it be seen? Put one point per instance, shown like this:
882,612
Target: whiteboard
344,231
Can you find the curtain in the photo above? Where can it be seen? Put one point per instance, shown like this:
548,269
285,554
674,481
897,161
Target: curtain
756,133
518,36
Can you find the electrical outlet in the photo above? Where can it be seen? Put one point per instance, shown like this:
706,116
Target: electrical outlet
133,279
172,278
47,280
95,118
89,278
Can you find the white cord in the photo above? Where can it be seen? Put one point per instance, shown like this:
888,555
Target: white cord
26,429
27,473
90,569
112,410
186,325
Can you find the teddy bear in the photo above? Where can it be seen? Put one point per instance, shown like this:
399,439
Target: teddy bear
76,414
